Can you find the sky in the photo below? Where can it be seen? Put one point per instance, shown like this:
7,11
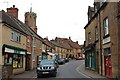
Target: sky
55,18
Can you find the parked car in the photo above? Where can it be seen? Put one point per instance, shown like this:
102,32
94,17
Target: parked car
66,59
61,61
46,67
56,62
79,58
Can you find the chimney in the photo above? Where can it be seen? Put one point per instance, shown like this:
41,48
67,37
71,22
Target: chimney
13,11
69,38
77,42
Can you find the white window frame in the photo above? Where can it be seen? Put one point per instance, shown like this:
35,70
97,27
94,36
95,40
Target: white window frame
15,36
96,33
106,31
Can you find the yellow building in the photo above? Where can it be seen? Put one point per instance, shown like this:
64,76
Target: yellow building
12,42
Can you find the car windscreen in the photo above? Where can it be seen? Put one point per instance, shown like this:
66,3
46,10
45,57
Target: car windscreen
47,62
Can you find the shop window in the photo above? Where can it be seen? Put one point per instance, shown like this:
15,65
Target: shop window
8,59
17,61
14,59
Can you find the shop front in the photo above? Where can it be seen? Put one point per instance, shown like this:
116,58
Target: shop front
90,57
15,57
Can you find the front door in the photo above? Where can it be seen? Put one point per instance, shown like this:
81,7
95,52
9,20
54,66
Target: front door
108,66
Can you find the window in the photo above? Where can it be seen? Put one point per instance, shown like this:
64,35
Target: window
15,36
16,60
96,33
28,43
89,37
40,45
34,42
106,32
107,51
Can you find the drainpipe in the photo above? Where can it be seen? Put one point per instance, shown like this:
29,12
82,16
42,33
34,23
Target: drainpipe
32,51
100,42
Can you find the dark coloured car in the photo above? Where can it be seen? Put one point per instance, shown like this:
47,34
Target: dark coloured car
61,61
47,67
66,59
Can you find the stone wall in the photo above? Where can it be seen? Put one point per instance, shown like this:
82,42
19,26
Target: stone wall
7,71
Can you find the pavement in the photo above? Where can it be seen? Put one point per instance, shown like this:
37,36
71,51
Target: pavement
89,73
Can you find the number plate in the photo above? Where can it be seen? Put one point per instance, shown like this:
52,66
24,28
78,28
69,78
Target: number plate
45,72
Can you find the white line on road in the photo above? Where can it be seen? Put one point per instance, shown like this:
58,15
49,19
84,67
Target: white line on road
77,69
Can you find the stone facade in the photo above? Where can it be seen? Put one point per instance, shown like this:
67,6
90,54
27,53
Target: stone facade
110,41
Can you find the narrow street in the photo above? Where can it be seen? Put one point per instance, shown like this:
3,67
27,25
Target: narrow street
68,70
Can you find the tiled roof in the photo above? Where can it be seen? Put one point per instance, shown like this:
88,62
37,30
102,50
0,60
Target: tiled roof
48,43
12,22
17,24
67,43
56,44
74,45
63,42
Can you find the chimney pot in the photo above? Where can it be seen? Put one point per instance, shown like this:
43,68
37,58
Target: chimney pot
69,37
77,42
13,6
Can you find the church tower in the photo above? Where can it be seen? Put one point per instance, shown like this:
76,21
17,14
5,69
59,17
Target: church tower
30,20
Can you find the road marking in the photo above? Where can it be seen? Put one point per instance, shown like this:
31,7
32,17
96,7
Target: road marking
77,69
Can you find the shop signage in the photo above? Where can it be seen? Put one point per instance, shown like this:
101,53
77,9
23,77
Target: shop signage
14,51
9,50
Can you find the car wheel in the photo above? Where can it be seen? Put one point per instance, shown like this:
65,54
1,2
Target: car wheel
38,76
54,75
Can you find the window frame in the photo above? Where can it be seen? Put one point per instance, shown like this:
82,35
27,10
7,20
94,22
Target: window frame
106,26
96,33
15,36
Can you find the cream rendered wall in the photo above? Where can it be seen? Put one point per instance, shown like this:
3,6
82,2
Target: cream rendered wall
6,38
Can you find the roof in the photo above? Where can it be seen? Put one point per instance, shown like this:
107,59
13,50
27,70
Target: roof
56,44
17,24
13,22
63,42
103,6
67,43
74,45
48,43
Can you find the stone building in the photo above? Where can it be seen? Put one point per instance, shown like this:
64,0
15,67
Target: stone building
34,41
102,39
12,41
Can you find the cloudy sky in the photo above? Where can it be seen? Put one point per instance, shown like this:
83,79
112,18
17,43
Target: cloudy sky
55,18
